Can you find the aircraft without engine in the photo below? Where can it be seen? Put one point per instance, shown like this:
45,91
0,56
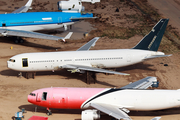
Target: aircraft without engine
22,24
85,60
73,5
116,102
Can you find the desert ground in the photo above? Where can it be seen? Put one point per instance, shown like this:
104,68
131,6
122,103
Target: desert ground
14,90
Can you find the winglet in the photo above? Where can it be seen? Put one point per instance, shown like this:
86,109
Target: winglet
88,45
24,8
68,36
156,118
29,3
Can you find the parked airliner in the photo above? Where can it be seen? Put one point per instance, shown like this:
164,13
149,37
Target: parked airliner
116,102
22,24
92,60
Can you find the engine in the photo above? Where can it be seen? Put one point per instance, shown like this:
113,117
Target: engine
73,5
90,114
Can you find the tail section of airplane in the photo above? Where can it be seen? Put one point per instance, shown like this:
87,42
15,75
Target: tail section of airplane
153,39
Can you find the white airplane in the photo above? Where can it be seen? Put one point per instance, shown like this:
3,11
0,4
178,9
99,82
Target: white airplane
84,59
115,102
22,24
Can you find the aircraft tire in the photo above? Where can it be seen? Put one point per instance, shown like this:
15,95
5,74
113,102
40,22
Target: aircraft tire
16,41
49,113
20,40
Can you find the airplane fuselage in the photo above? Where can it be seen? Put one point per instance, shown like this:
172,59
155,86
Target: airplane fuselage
36,21
81,98
47,61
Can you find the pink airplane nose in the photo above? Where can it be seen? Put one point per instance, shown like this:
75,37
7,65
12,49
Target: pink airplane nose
31,97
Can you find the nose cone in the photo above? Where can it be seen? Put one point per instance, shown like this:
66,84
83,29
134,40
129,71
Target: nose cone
11,63
32,98
8,64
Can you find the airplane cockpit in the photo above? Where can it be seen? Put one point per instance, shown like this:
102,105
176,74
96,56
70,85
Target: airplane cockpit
32,94
12,60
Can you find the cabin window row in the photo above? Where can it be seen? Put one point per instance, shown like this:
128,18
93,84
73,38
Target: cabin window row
98,59
30,22
43,21
21,22
42,61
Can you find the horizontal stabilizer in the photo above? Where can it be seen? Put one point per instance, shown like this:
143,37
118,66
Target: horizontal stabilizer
88,45
156,56
156,118
24,8
113,111
21,33
141,84
68,36
77,68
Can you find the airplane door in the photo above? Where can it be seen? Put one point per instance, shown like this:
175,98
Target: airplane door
38,97
128,58
3,24
59,20
24,62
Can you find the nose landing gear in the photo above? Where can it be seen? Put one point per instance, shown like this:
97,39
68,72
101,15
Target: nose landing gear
49,112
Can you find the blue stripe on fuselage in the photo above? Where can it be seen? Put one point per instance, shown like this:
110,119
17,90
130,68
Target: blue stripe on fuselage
37,18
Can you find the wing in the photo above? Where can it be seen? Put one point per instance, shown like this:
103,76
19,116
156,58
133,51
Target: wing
156,56
156,118
21,33
24,8
78,68
118,113
141,84
83,18
88,45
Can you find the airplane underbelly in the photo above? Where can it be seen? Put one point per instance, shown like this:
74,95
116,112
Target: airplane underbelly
39,27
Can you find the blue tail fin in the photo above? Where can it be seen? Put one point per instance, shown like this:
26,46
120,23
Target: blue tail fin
153,39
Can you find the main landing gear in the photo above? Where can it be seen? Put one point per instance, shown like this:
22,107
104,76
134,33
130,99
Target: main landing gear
18,40
30,75
90,77
49,112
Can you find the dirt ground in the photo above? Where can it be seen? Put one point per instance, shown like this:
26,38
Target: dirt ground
14,90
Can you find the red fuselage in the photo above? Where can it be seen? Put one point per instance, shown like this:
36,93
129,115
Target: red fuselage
62,98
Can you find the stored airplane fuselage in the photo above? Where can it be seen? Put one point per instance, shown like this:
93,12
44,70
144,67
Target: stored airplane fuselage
35,21
47,61
81,98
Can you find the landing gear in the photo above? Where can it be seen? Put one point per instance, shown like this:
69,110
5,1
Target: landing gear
20,74
49,112
30,75
90,77
18,40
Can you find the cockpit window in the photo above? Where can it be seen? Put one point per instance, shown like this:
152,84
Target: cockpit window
12,60
32,94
